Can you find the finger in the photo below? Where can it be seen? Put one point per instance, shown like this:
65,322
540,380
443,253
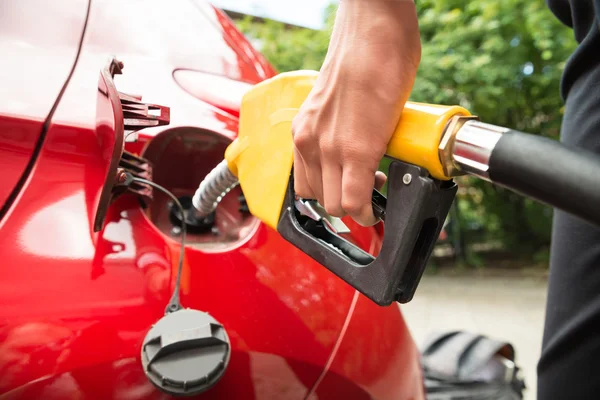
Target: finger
332,189
380,180
314,176
357,190
301,186
312,171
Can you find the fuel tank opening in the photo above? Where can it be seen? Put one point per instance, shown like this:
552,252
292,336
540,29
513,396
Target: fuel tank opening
181,158
193,223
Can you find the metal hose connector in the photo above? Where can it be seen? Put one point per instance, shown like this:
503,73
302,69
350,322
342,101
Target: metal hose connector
213,188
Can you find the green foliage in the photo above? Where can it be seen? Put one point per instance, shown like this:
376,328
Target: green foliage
501,60
289,49
475,54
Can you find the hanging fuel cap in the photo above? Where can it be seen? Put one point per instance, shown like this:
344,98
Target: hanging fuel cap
185,353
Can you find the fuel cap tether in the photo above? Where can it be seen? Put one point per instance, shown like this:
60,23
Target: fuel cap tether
187,351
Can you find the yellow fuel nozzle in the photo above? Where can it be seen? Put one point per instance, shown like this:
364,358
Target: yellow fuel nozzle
430,145
260,160
262,155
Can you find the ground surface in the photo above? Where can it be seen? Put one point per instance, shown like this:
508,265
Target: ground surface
505,304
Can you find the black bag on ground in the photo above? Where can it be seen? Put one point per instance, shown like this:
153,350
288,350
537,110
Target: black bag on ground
465,365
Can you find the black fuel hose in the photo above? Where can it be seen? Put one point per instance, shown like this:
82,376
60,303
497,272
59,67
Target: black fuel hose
548,171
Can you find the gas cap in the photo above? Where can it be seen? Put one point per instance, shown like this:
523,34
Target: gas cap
186,353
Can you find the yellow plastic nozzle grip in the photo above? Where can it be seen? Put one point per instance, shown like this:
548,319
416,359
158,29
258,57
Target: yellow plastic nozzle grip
418,135
262,155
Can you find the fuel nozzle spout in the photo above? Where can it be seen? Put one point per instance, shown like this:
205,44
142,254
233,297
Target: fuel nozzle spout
213,188
538,167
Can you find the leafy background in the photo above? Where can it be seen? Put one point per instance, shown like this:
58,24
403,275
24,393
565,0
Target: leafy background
500,60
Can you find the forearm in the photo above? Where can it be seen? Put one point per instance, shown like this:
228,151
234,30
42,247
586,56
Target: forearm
386,31
391,24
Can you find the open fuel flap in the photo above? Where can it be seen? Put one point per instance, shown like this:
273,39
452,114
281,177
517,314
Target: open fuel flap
119,117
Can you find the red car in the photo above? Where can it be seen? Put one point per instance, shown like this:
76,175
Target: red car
91,89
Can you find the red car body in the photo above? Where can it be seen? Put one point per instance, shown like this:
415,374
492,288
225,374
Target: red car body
75,304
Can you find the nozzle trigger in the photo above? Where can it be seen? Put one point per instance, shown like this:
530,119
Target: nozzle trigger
313,210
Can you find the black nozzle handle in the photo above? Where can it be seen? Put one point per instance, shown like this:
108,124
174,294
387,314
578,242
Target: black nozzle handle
548,171
418,208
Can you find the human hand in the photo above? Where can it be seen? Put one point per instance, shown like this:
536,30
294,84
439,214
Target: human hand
343,128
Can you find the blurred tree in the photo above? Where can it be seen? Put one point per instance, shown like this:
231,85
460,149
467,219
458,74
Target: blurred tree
503,62
500,60
290,48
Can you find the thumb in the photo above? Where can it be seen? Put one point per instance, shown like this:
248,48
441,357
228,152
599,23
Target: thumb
380,180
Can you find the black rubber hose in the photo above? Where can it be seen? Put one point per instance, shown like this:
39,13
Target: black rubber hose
550,172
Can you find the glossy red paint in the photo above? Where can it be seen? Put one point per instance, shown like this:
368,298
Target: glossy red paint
75,304
39,42
17,141
376,358
218,91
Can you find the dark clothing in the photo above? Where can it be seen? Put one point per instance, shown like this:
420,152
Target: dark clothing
584,17
570,362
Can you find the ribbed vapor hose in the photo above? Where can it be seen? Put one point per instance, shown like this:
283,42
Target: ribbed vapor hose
213,188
